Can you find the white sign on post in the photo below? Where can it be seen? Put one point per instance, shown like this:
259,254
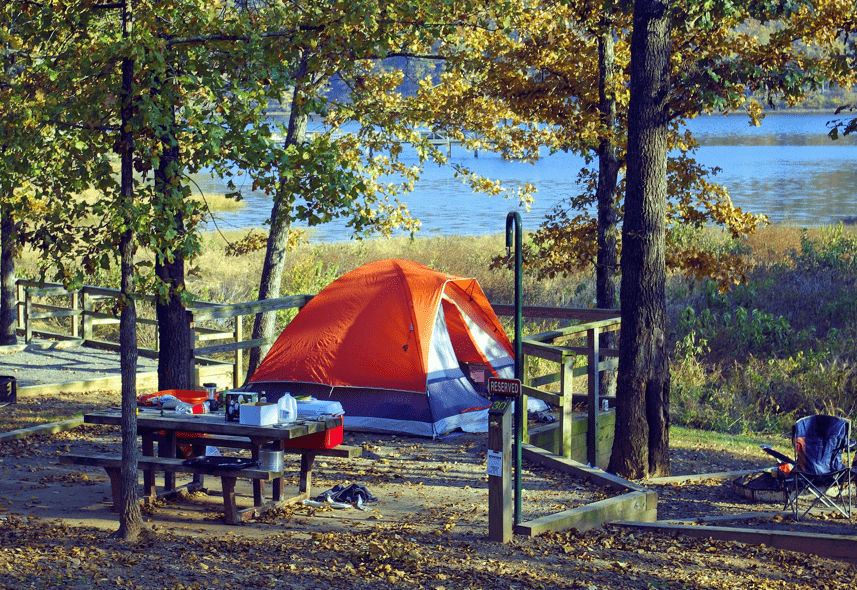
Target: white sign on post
495,463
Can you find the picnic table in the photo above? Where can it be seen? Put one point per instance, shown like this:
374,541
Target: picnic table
166,428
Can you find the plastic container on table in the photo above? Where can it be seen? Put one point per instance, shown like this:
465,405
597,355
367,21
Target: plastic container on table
315,408
287,409
188,396
194,398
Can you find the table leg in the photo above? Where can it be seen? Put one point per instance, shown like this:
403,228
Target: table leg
148,475
199,478
115,487
168,449
307,459
230,508
258,489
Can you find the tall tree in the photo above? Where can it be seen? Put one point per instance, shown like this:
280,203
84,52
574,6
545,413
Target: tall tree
8,237
264,325
173,325
8,252
641,441
340,175
130,521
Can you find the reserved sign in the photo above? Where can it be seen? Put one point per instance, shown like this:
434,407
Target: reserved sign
504,386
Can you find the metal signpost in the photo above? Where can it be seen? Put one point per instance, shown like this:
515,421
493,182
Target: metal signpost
513,222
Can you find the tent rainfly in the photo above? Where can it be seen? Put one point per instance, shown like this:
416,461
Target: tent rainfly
392,342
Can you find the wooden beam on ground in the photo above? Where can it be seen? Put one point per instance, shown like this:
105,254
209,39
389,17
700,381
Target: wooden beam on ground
634,505
145,382
839,547
637,503
698,477
41,429
595,475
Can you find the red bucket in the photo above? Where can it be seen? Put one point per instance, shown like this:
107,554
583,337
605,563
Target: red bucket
319,440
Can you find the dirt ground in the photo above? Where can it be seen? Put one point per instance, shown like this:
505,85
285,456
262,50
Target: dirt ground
428,528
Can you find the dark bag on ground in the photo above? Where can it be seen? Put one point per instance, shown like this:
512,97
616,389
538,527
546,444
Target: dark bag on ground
355,493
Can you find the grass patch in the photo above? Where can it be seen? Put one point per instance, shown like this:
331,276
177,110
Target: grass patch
220,202
688,438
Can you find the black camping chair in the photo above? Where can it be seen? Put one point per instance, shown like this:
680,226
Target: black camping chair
817,474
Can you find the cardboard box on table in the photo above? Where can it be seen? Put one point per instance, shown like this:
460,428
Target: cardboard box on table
258,414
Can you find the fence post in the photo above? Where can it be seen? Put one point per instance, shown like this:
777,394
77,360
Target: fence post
28,308
87,315
500,470
19,304
75,319
237,377
526,371
157,331
593,391
566,420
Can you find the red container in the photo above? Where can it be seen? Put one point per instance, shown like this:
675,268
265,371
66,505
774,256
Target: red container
187,395
319,440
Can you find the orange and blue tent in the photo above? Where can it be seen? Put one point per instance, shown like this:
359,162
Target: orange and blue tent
392,342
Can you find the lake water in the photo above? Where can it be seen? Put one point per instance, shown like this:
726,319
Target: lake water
787,169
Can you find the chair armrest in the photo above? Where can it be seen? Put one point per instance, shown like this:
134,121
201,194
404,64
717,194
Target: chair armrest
777,455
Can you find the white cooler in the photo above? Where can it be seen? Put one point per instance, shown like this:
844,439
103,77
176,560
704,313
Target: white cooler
314,408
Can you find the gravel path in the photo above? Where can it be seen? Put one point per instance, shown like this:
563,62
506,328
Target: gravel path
44,362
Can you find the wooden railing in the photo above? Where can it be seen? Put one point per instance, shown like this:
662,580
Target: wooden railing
80,309
562,346
84,318
238,344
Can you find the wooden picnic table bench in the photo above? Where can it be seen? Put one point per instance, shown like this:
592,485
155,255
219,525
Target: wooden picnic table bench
167,428
112,464
198,443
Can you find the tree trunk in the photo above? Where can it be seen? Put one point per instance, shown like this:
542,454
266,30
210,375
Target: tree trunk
8,251
130,518
173,328
265,324
641,443
606,264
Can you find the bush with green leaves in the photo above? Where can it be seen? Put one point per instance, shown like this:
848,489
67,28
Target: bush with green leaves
775,349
